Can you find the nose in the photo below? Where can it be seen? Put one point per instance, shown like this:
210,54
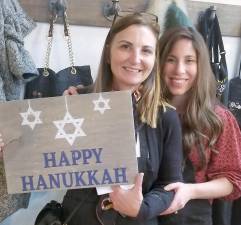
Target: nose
135,56
180,67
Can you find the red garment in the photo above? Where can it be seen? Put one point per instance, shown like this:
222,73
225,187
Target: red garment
227,162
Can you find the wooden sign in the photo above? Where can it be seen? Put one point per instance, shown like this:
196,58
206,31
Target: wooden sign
68,142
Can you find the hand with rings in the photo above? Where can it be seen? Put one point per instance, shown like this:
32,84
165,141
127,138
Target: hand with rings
182,196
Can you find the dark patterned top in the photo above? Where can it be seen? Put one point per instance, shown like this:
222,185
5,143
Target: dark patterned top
227,162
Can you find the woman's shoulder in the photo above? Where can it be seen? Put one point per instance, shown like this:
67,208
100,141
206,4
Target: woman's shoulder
224,113
230,125
167,110
168,115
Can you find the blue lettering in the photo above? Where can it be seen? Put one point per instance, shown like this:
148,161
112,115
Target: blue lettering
27,183
49,159
41,183
86,155
79,179
65,179
63,160
76,155
97,153
91,176
120,175
106,177
54,181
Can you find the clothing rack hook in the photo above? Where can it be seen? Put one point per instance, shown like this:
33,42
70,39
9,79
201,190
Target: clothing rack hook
110,10
58,7
213,10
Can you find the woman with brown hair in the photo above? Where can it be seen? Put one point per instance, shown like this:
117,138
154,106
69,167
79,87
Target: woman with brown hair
211,136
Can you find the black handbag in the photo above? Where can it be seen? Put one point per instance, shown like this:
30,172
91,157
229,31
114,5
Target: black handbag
49,83
53,213
234,97
210,30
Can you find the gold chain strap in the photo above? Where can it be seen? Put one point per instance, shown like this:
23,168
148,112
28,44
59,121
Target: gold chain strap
50,44
69,43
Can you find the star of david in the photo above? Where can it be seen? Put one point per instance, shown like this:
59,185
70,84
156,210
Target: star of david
33,121
70,137
101,104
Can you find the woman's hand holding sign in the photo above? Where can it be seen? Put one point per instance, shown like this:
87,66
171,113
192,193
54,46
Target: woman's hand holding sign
72,90
128,202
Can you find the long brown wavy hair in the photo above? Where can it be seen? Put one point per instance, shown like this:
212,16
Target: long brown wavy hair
151,95
201,126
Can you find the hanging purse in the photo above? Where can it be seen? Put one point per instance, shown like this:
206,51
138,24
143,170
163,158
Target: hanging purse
210,30
49,83
234,97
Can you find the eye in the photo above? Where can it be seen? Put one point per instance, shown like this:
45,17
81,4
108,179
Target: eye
190,60
170,59
125,46
148,51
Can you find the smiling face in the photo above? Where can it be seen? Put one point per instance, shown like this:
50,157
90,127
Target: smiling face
180,70
132,56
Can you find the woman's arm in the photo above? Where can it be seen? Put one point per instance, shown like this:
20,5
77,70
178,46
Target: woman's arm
223,171
132,202
216,188
227,162
170,150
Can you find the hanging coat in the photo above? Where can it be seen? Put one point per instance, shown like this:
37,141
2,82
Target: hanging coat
16,65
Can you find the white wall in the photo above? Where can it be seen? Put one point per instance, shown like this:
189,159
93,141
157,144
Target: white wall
232,47
87,46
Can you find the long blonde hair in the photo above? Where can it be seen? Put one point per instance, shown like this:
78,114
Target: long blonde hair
201,125
150,91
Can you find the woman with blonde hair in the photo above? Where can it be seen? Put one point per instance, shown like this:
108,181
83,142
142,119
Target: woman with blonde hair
128,62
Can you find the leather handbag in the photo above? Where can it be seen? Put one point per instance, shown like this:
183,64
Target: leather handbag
234,97
210,30
53,213
49,83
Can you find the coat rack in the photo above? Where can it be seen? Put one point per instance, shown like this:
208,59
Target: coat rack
57,7
91,12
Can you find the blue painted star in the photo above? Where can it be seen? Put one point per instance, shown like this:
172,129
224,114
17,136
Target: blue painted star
31,118
70,137
101,104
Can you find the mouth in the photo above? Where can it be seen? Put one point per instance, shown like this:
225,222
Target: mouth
131,69
178,81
